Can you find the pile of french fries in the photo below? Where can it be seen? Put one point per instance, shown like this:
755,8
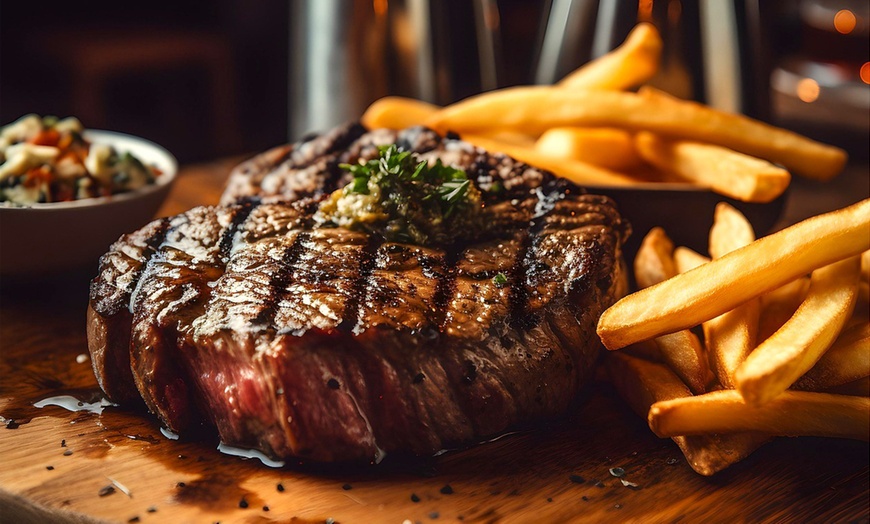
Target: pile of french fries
592,129
786,335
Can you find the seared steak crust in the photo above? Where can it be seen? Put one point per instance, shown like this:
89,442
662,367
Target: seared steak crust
333,344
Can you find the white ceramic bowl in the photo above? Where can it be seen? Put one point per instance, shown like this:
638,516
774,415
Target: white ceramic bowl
45,239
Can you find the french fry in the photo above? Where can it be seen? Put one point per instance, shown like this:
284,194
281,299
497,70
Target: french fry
602,146
646,350
790,352
865,266
710,454
641,384
847,360
779,305
864,285
707,291
682,350
578,172
654,261
726,172
688,259
731,231
629,65
794,413
512,137
535,109
397,112
732,335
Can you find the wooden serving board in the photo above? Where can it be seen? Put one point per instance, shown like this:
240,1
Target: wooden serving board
78,466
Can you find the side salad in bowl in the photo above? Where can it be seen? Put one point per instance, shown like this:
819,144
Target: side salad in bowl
46,160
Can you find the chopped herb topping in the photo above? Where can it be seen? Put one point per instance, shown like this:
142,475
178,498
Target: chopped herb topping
500,280
405,199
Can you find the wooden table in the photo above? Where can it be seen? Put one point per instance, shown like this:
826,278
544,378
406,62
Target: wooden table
83,467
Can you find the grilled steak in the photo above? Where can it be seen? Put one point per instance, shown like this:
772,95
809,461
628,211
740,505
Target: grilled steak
334,344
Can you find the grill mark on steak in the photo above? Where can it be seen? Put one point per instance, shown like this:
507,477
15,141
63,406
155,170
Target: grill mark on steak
240,214
366,262
517,316
445,285
280,278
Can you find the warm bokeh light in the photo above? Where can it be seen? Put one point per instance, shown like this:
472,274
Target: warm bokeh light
808,90
644,10
380,7
864,72
845,21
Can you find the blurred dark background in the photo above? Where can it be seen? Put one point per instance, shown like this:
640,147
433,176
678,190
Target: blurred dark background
203,79
215,79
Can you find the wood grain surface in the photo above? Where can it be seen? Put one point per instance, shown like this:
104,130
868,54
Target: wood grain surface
77,466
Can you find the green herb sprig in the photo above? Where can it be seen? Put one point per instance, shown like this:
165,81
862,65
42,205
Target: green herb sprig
394,169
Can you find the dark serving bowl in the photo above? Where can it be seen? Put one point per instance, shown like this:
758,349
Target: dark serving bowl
684,211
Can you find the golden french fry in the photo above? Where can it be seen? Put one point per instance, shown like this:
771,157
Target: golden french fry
578,172
397,112
646,350
710,454
538,108
654,261
730,338
629,65
857,388
641,384
864,286
794,413
707,291
790,352
865,266
688,259
847,360
682,350
726,172
732,335
511,137
683,353
606,147
731,231
779,305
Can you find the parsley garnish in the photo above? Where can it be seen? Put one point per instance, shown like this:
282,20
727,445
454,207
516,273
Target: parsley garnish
500,280
394,169
405,198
